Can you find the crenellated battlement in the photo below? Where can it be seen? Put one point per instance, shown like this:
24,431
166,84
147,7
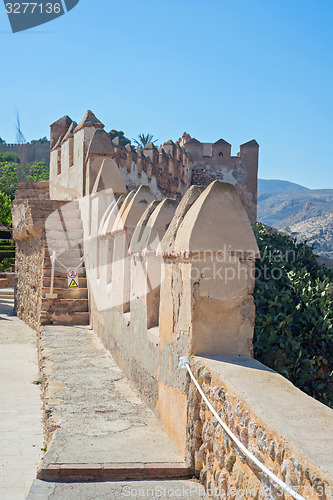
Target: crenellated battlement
29,153
8,147
213,161
78,151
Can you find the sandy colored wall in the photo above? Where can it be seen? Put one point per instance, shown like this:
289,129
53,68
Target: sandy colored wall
149,323
168,171
199,257
213,161
286,430
30,210
29,272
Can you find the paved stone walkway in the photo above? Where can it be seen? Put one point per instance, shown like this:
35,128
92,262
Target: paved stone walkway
21,430
95,417
98,415
149,490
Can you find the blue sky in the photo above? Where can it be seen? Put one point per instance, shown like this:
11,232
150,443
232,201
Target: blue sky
236,69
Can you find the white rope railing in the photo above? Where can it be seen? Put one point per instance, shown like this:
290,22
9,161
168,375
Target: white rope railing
185,364
53,259
66,267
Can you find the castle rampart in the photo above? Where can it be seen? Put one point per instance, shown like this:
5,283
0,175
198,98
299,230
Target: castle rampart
212,161
167,277
29,153
77,152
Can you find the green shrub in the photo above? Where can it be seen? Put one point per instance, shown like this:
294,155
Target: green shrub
11,173
7,253
5,265
294,314
9,157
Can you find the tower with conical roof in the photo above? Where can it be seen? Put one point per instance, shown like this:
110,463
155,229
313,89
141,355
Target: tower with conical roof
69,146
58,129
83,135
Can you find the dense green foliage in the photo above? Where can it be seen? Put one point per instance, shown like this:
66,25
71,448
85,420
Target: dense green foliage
5,210
294,314
12,172
5,264
10,156
36,171
7,245
41,141
8,178
119,133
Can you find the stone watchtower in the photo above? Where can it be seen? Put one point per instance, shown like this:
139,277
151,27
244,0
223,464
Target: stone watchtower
213,161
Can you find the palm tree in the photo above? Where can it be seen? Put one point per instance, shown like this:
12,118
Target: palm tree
144,140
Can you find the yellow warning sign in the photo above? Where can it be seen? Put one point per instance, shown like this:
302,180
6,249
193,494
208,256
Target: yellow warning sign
73,284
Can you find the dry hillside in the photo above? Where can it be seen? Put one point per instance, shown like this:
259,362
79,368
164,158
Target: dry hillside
304,213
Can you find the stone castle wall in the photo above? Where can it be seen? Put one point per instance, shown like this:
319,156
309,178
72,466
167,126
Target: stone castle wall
197,302
29,153
77,153
280,425
30,209
29,269
213,161
155,295
171,276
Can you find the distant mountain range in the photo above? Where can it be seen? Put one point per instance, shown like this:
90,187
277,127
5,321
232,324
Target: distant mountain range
302,212
277,186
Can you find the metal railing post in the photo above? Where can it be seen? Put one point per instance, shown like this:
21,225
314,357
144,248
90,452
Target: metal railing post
52,295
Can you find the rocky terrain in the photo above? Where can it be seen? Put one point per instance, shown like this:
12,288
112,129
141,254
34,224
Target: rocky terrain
317,231
304,213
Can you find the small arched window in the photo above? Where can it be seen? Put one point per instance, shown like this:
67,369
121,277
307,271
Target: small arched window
220,153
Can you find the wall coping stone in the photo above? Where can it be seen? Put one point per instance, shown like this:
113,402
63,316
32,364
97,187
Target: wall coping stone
306,424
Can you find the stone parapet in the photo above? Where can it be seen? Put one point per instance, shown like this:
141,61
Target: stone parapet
29,272
286,430
77,155
154,291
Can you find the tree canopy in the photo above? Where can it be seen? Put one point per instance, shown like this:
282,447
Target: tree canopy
119,133
5,211
9,157
8,178
41,141
12,172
